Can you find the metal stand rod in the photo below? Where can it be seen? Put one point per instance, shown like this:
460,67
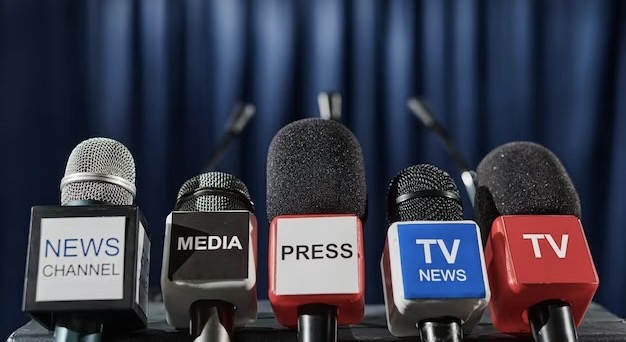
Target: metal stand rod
317,323
239,119
78,327
445,329
552,321
211,320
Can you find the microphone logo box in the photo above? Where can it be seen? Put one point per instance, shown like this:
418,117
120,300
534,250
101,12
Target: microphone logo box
441,260
202,243
316,255
88,258
545,249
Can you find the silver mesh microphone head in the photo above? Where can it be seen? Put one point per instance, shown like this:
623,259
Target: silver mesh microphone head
214,191
99,169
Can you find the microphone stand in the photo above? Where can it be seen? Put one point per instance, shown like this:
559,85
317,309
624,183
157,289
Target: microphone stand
421,111
211,321
552,321
317,323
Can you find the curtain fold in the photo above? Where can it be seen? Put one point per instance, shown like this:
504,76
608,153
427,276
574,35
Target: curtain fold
163,76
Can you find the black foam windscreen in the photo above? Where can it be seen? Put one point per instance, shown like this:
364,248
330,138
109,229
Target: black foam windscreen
423,193
315,166
522,178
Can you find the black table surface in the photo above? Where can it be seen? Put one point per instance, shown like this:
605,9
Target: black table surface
598,325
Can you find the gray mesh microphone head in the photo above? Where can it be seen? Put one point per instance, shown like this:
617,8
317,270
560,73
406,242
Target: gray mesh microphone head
214,191
100,170
423,193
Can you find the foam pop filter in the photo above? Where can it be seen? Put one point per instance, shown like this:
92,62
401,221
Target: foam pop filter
315,166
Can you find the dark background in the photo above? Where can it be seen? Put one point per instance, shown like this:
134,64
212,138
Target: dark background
162,76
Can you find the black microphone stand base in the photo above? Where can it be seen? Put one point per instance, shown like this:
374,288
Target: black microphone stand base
317,323
552,321
445,329
211,320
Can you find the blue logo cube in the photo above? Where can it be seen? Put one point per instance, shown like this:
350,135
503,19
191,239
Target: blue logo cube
441,260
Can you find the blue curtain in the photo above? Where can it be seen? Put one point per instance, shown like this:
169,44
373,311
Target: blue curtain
162,76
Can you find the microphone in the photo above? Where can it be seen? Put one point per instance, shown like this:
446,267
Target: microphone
433,269
208,278
316,203
88,259
540,268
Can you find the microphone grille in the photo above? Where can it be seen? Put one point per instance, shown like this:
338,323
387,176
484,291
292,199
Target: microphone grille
423,177
100,157
214,191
